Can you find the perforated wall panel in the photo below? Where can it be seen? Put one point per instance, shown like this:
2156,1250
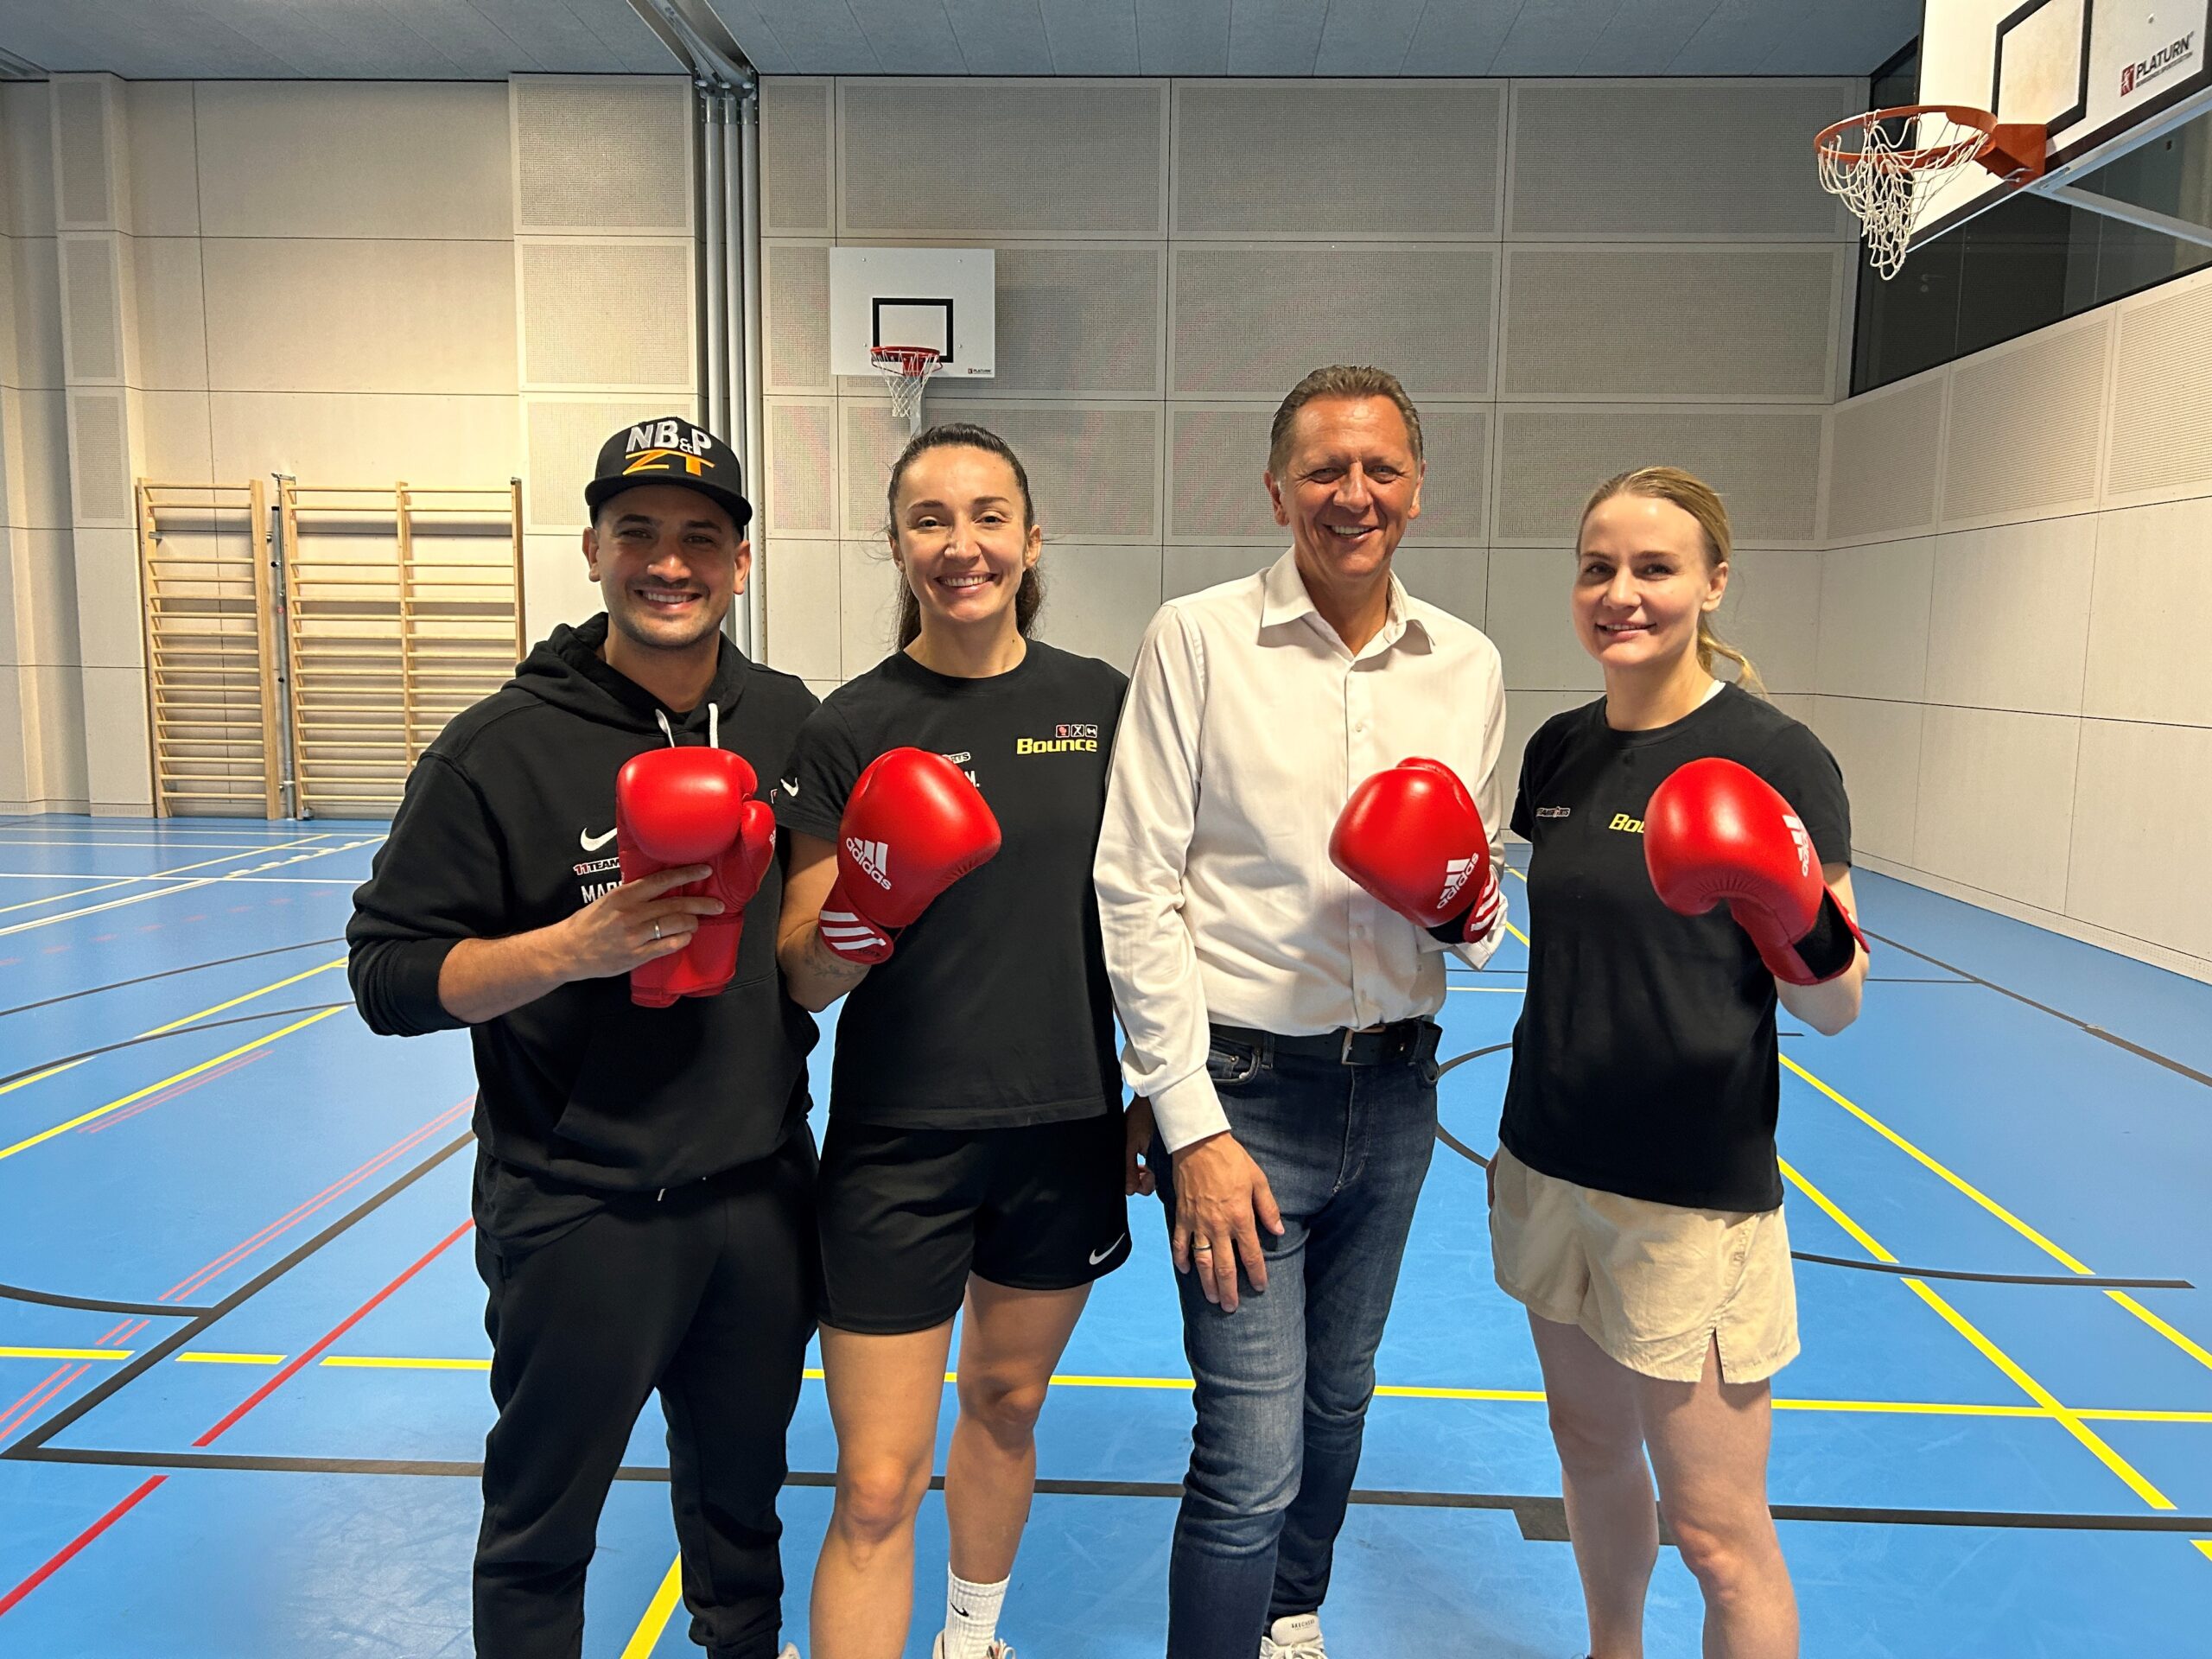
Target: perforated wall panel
795,127
1067,158
560,441
795,311
1764,462
86,199
1670,322
1883,451
605,153
92,317
2162,396
1250,322
99,457
1242,167
1672,159
580,306
800,498
1093,472
1075,321
1215,460
1455,496
2021,438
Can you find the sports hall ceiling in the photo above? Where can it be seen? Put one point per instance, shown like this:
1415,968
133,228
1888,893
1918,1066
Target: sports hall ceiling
445,40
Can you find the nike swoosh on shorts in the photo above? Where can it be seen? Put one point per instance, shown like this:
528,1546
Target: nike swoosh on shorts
592,843
1097,1256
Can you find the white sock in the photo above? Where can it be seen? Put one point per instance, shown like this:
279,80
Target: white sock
971,1616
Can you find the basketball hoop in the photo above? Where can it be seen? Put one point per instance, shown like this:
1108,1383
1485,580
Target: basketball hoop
1886,162
906,370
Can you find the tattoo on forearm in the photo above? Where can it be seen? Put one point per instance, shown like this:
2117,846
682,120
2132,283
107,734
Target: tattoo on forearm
826,963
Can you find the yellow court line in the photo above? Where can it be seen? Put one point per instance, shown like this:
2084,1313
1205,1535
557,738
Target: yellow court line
64,1353
204,1358
2204,1544
2070,1420
2072,1264
659,1611
43,1135
379,1363
1517,933
173,1025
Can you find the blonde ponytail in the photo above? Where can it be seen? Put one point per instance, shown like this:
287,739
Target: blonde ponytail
1702,502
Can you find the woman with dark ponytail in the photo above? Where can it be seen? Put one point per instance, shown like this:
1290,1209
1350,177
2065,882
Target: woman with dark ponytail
973,1161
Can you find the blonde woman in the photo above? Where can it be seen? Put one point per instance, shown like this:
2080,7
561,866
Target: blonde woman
1635,1200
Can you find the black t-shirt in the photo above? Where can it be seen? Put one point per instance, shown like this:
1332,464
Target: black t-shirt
993,1011
1644,1062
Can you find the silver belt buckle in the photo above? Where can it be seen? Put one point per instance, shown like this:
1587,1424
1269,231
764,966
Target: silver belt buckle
1344,1054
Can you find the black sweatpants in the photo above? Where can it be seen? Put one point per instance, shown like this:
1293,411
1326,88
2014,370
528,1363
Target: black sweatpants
706,1293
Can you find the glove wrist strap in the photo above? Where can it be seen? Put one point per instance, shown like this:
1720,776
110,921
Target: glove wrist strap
1832,945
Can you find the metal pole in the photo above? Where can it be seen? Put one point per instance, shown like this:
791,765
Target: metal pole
745,372
716,206
2148,219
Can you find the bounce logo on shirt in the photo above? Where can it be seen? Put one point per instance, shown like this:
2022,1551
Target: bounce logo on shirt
1068,738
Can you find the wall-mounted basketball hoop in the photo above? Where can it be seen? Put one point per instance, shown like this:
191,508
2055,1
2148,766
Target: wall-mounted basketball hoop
906,370
1886,163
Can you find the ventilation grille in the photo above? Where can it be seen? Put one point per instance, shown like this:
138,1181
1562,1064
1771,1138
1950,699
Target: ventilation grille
1250,322
606,313
88,298
1242,166
99,460
80,146
1729,323
794,156
2162,406
2023,428
1672,160
935,158
1883,453
602,154
1765,463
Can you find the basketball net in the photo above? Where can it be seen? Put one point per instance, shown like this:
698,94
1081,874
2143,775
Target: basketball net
1884,162
906,370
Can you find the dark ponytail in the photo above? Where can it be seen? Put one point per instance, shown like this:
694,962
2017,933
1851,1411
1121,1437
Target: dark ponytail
1029,598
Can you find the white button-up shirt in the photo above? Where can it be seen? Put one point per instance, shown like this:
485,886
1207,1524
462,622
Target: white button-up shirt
1247,723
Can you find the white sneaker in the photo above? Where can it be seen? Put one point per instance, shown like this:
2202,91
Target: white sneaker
791,1651
998,1649
1298,1636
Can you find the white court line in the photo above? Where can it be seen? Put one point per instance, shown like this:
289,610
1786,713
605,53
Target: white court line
286,881
110,884
179,845
182,886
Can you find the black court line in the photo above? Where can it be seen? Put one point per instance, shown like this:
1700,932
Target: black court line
1898,1270
98,1305
166,973
1543,1518
140,1363
2098,1031
158,1036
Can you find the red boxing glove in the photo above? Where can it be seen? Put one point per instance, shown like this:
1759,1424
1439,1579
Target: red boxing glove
1413,836
913,826
694,806
1716,833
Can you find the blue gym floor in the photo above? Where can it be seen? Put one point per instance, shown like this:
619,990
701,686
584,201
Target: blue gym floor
243,1381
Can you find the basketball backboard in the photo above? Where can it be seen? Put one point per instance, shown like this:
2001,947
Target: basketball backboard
945,299
2101,76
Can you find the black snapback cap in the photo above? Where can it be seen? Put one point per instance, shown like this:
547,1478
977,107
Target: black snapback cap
670,450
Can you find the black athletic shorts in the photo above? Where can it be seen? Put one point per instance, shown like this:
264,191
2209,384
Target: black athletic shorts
907,1214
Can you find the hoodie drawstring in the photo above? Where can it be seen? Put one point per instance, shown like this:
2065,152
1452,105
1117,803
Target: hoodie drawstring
714,726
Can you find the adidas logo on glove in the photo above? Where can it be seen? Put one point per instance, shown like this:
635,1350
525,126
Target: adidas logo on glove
874,856
1456,872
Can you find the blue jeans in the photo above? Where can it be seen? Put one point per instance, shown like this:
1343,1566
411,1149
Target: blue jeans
1283,1383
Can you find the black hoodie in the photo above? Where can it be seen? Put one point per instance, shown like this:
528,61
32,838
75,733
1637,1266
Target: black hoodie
507,825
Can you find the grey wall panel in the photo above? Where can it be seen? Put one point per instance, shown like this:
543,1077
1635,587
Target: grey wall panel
1732,323
1454,579
1243,169
1068,158
795,117
1094,471
795,315
2022,437
575,299
85,197
1455,495
1084,321
602,153
1885,455
1673,159
1764,460
1189,569
870,438
2162,396
800,493
561,443
1249,322
99,457
1097,600
93,316
1215,458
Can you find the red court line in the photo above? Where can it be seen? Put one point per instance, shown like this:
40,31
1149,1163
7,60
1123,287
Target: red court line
308,1358
171,1093
56,1380
337,1189
61,1557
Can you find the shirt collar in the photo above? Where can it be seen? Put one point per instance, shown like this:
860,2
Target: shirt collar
1284,601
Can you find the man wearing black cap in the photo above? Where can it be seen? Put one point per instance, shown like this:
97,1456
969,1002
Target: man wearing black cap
643,1174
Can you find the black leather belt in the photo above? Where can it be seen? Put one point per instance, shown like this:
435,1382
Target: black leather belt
1408,1042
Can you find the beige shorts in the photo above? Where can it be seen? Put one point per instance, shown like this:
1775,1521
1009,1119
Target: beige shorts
1652,1284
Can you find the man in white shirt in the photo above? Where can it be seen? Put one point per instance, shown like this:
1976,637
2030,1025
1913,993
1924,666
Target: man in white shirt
1277,1016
